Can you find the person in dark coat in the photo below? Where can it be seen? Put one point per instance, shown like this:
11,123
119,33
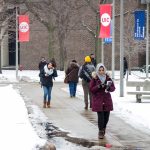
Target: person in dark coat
42,63
100,86
47,75
72,73
125,65
93,60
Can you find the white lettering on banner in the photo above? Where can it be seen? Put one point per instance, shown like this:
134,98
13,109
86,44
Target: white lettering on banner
23,27
105,19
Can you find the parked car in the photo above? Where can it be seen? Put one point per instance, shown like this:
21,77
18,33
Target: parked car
143,69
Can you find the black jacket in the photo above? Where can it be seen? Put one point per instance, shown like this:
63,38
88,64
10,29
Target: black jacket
48,80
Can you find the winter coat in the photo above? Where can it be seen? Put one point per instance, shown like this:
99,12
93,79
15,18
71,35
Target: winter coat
85,72
47,80
101,100
41,65
72,72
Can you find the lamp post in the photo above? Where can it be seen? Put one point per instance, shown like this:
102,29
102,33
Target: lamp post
16,42
147,41
121,47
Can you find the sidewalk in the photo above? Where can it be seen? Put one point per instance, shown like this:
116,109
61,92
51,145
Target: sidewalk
69,115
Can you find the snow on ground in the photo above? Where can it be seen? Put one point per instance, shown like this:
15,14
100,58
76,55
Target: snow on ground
14,116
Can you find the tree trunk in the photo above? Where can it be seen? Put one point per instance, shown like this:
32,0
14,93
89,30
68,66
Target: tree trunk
50,45
61,38
98,41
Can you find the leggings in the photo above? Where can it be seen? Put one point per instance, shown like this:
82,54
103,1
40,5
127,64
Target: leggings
103,118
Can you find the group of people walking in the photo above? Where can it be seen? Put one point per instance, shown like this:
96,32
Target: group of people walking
96,83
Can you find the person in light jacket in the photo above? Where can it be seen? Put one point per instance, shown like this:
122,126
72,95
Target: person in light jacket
100,86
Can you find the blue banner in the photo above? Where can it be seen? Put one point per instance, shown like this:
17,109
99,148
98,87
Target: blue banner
107,40
140,25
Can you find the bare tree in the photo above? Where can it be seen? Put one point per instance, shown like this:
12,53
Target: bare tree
56,16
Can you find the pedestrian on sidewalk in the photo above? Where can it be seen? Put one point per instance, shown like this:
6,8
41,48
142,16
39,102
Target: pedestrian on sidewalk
72,73
100,86
93,60
125,66
85,73
42,63
47,75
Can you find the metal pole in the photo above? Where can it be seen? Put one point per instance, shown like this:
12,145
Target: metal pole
16,42
0,50
102,57
121,48
113,41
147,40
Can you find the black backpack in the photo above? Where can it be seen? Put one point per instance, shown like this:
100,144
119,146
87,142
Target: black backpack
85,74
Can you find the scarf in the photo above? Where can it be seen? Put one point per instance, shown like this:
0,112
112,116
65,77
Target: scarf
48,71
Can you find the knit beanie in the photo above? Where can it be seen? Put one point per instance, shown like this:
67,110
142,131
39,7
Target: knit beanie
87,59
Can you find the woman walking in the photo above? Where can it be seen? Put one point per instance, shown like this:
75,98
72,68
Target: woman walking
100,86
47,75
72,73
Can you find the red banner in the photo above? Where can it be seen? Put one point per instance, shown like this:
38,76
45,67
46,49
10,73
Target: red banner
105,17
23,28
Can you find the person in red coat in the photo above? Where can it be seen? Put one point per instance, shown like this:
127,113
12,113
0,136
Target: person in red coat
100,86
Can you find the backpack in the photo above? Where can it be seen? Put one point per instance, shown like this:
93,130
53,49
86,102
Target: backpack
85,74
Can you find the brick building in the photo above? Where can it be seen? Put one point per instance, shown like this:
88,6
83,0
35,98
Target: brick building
78,42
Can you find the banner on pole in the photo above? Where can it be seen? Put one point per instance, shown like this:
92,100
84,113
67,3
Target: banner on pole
139,25
105,18
23,28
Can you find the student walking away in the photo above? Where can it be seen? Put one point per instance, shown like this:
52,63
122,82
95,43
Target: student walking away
85,73
47,75
72,73
100,86
42,63
125,65
93,60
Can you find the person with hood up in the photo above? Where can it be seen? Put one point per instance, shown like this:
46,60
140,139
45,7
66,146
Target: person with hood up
100,86
47,75
72,73
85,73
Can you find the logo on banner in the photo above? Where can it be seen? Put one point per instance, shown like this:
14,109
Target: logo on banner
24,27
105,19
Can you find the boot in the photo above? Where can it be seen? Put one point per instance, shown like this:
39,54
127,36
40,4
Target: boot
101,134
48,104
86,106
104,130
44,104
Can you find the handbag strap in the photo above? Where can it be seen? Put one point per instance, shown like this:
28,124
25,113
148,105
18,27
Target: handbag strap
69,73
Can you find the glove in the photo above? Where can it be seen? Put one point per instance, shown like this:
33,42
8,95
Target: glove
100,86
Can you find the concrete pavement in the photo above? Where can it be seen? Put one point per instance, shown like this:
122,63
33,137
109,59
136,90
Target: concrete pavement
69,114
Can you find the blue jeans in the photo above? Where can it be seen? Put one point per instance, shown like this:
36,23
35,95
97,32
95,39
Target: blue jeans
47,93
72,88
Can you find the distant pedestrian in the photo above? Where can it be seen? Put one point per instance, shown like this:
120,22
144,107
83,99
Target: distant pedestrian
72,73
85,73
47,75
125,65
100,86
93,60
42,63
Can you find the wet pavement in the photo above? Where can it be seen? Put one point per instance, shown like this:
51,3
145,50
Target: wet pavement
79,126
